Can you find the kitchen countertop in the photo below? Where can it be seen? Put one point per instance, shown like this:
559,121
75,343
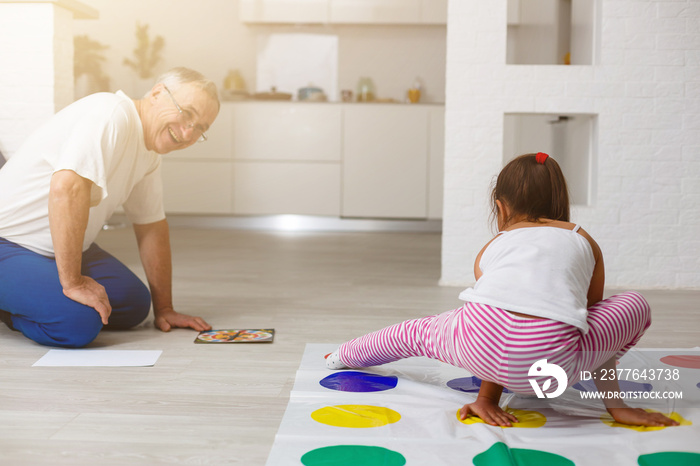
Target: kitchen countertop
249,101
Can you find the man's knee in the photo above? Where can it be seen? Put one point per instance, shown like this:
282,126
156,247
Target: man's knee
74,330
77,332
130,306
140,305
78,339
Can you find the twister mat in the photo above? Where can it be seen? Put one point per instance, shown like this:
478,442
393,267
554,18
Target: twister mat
406,413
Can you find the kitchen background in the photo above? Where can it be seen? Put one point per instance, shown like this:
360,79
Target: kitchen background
623,117
211,37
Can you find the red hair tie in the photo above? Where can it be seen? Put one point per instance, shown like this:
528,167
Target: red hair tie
541,157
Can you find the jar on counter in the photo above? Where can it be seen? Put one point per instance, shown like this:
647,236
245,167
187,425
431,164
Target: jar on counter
234,81
365,90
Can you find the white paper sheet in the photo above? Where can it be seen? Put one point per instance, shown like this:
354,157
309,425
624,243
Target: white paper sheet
98,358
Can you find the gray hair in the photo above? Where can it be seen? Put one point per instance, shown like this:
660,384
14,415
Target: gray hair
176,77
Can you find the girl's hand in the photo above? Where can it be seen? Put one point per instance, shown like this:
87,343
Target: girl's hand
488,411
639,417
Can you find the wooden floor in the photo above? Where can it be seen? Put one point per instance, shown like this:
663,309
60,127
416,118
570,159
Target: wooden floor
222,404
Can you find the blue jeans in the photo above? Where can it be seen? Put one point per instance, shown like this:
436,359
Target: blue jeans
32,294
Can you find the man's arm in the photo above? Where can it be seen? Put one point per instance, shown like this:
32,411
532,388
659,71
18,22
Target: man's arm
154,248
69,209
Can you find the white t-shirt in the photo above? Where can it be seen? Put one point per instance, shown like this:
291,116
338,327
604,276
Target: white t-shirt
99,137
539,271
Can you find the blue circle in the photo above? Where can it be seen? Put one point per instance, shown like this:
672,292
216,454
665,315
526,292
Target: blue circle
353,381
625,386
468,384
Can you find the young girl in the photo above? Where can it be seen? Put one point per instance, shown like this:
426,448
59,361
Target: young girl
538,295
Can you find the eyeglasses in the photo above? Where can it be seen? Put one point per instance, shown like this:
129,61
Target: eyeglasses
188,119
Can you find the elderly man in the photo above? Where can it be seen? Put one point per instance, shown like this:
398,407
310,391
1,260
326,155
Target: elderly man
57,286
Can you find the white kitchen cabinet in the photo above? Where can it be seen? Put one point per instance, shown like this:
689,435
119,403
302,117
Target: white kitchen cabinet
197,187
286,131
287,158
344,11
306,188
351,160
283,11
375,11
434,11
385,161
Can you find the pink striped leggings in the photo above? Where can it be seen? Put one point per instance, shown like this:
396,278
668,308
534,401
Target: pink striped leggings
500,347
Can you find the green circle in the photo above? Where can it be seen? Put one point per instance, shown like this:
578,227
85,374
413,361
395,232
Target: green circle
352,455
664,458
500,455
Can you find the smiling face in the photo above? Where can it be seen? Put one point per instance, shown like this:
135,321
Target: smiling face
165,129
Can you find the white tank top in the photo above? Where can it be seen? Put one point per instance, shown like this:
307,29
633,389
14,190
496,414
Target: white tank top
540,271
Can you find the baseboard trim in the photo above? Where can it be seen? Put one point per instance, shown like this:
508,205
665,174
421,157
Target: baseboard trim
292,223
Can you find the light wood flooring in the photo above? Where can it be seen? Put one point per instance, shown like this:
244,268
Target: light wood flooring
222,404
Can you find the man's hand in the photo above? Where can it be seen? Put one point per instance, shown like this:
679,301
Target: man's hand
488,411
90,293
154,246
639,417
167,319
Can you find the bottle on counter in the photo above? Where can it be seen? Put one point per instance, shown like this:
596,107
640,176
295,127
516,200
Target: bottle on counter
365,90
234,86
413,93
234,81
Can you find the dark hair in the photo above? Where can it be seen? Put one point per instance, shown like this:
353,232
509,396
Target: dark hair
536,190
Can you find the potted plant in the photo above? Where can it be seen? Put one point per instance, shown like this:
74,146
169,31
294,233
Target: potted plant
88,59
147,55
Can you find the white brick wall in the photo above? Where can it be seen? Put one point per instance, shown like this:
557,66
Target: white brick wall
644,87
63,58
36,53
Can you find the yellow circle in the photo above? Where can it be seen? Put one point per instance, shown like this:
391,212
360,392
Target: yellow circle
526,419
607,419
357,416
